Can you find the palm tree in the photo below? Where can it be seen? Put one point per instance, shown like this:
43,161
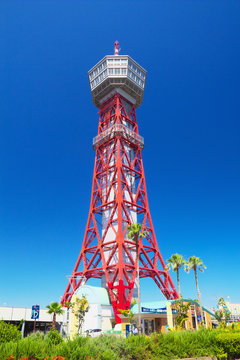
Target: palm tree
196,263
56,309
135,233
175,262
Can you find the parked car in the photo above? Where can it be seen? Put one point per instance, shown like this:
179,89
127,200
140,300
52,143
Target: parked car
93,332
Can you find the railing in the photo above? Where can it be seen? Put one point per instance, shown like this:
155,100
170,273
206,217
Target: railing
121,130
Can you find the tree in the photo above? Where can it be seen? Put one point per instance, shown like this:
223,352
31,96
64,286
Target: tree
222,315
221,301
182,312
56,309
135,233
128,313
196,263
175,262
79,308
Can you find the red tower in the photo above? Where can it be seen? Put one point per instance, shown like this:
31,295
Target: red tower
119,195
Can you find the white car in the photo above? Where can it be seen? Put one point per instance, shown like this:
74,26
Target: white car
93,332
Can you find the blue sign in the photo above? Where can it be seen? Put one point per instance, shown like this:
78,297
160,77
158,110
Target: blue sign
158,310
35,312
127,330
199,318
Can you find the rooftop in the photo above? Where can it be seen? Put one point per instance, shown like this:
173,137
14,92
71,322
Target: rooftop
94,294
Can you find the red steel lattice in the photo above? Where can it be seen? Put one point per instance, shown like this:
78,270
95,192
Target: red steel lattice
118,195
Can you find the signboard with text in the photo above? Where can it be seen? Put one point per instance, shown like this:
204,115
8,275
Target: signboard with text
158,310
35,312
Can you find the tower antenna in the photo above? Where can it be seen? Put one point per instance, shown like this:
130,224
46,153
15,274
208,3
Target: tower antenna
116,46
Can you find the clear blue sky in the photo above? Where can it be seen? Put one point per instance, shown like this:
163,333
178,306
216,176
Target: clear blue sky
189,119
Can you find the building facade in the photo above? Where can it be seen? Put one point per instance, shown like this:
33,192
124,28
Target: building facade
18,315
156,316
234,310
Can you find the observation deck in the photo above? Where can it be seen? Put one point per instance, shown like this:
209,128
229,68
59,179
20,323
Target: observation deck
118,129
117,74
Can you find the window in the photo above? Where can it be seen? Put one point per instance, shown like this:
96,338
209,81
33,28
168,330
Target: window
110,71
117,71
124,71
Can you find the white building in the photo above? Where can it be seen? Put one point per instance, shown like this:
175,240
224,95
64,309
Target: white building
15,315
235,311
100,314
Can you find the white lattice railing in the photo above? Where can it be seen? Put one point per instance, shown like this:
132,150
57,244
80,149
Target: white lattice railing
121,130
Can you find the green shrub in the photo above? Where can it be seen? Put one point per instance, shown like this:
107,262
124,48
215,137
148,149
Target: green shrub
222,356
9,332
223,343
54,337
38,335
229,342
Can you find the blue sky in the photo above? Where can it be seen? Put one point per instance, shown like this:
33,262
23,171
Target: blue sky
189,119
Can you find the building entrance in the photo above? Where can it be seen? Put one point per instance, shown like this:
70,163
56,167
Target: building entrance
149,326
